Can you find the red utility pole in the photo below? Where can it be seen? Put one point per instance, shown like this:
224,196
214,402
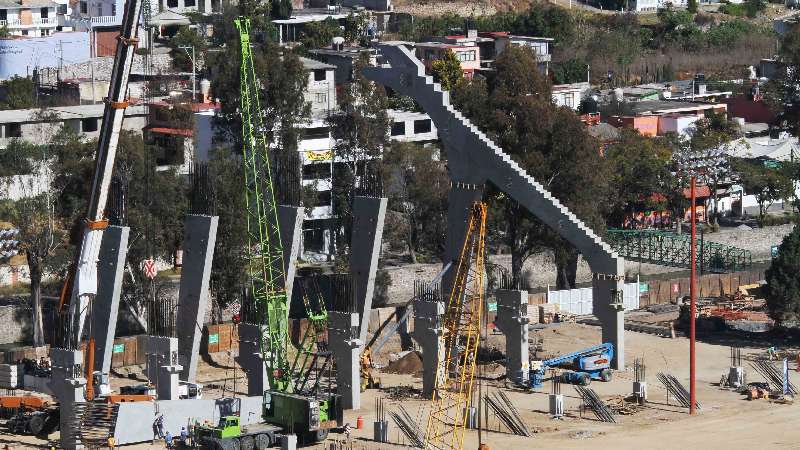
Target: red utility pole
693,300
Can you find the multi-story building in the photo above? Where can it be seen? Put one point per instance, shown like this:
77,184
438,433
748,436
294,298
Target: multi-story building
321,87
29,17
467,53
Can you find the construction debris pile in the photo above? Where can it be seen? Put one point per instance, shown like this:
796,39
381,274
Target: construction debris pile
739,311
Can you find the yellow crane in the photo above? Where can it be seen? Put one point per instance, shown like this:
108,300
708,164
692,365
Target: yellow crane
462,327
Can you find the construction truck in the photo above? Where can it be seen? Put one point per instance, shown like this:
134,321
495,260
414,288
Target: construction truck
593,363
229,434
32,415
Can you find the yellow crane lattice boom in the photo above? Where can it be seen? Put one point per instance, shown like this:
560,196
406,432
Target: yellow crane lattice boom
462,327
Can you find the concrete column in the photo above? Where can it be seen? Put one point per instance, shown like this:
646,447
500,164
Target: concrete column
429,335
365,249
163,367
290,222
346,348
110,270
69,387
610,312
512,320
250,359
198,252
459,200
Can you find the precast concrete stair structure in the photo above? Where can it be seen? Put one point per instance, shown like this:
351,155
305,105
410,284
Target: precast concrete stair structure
473,159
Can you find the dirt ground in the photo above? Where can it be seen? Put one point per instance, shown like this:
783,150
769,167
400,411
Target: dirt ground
727,419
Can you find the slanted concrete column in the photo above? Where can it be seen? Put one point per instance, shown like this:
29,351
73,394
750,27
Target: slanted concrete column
198,252
429,335
459,204
290,222
512,320
346,348
365,249
69,387
163,369
610,312
250,358
105,306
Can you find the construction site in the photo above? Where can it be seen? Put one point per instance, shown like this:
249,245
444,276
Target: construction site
464,358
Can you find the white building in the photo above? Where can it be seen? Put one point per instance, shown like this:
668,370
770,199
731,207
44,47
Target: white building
29,17
570,95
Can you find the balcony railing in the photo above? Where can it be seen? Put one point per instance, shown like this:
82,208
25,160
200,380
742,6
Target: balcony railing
106,20
16,23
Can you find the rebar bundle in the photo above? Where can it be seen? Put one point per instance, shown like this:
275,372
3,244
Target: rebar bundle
94,422
505,411
639,370
736,357
555,383
410,428
380,409
773,375
593,402
674,387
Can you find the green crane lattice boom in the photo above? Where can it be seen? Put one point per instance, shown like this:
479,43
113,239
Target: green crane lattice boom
268,279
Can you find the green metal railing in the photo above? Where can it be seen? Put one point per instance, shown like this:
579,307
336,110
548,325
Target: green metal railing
670,249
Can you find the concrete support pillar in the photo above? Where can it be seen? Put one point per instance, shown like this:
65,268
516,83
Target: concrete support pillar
163,369
429,335
365,249
105,306
69,387
198,252
512,320
250,358
346,348
290,222
459,203
607,306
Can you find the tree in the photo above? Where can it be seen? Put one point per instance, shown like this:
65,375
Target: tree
573,70
181,56
641,178
515,108
783,281
692,6
416,184
360,130
447,70
20,93
767,184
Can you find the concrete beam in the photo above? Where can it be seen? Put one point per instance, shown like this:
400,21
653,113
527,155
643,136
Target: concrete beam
105,306
512,320
459,205
345,346
290,222
610,313
365,249
198,252
429,335
160,351
250,358
69,387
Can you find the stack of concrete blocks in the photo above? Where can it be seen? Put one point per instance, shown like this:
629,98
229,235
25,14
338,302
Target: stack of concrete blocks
512,320
429,334
473,159
69,388
163,369
10,376
547,312
105,306
290,222
345,346
198,253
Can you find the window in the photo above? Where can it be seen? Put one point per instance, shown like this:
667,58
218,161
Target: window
314,240
466,56
172,3
24,32
321,98
13,130
45,32
3,14
62,9
317,171
320,75
398,128
569,99
315,133
324,198
422,126
44,13
189,3
89,125
84,8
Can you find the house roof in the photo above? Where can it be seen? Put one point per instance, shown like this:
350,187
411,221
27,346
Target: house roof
168,17
604,131
764,147
63,113
313,64
185,132
660,107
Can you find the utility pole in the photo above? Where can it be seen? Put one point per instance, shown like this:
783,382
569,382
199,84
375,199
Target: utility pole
692,299
194,69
